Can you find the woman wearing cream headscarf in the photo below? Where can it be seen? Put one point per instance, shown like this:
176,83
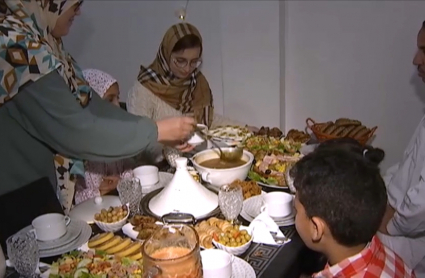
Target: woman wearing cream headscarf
173,84
47,107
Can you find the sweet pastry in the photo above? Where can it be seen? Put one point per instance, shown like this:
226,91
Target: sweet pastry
270,132
298,136
210,228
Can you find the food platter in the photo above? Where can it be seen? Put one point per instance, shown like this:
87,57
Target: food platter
229,134
273,157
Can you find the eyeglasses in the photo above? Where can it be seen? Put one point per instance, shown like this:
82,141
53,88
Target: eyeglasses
181,63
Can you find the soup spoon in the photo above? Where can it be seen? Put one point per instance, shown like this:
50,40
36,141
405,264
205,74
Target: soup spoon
234,154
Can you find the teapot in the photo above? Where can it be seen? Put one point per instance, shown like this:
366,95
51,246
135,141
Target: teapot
173,251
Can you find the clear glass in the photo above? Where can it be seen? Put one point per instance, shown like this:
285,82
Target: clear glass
172,252
22,249
130,192
230,200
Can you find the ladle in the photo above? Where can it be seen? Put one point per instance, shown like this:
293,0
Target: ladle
234,154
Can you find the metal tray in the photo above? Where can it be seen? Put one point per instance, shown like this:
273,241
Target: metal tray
144,205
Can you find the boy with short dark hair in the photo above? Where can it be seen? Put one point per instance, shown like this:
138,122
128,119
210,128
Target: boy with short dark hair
340,202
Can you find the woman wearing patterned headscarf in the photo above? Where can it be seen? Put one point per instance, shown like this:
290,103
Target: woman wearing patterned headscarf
173,85
46,106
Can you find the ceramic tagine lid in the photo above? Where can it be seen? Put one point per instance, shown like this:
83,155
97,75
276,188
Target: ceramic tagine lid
86,210
183,194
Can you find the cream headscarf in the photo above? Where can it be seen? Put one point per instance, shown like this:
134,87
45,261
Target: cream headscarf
191,95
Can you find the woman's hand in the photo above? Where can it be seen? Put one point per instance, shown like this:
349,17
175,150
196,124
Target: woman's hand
389,214
175,129
108,184
185,147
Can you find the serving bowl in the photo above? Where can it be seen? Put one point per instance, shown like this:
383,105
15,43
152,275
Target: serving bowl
239,250
114,226
219,177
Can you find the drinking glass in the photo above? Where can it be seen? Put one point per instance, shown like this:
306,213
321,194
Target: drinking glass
230,200
22,249
130,192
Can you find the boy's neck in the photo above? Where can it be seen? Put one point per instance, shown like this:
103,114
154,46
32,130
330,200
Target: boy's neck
337,253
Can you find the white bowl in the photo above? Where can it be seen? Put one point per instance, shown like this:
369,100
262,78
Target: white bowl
219,177
114,226
233,250
197,139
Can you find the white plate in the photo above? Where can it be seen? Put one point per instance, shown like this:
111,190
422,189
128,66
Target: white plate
269,185
251,209
80,240
73,231
242,269
164,179
288,222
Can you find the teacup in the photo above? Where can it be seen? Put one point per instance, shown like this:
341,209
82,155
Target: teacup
277,204
147,175
50,226
216,263
197,139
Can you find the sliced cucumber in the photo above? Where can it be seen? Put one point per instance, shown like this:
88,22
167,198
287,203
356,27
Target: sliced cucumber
80,271
84,263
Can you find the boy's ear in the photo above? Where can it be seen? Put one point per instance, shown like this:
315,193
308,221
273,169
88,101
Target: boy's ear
317,229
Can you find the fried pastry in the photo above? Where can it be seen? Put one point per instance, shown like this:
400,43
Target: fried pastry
346,121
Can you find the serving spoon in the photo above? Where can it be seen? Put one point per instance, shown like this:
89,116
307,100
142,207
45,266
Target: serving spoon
232,155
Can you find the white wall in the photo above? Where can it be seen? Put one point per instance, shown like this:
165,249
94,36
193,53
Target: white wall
117,36
251,66
354,59
276,63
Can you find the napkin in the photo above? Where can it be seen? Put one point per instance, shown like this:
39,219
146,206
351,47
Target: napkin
261,227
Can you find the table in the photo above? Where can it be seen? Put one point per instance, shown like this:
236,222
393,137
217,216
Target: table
267,261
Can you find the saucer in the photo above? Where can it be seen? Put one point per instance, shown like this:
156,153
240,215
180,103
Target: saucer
80,240
252,207
241,268
164,179
72,232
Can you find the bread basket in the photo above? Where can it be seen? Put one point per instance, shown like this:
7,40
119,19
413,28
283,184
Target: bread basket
316,128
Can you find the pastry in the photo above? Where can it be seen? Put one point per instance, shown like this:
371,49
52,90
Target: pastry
99,239
346,121
120,246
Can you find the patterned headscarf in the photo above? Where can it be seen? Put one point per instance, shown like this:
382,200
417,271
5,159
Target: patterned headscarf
189,96
100,81
30,51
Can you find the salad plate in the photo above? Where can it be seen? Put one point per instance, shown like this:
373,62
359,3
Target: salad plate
79,264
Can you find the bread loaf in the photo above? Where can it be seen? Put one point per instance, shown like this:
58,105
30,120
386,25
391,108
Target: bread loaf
344,127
